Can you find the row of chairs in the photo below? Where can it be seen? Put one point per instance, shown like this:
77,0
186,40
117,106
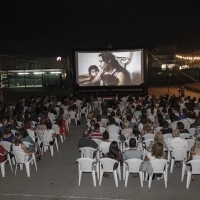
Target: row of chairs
106,165
134,166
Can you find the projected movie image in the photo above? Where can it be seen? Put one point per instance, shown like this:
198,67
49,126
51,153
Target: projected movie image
109,68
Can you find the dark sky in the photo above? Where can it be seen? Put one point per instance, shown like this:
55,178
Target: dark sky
54,27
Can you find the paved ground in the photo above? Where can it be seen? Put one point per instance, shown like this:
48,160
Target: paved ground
57,178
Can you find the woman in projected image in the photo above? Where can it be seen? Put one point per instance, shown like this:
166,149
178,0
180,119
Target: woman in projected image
110,66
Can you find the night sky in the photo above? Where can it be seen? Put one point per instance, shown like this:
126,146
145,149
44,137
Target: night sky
51,28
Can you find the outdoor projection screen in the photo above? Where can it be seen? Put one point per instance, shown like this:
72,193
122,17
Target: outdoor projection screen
115,68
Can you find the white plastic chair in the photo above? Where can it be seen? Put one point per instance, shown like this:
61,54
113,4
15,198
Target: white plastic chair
190,143
102,129
31,133
14,131
86,165
191,131
173,125
104,121
178,154
106,165
133,166
84,111
34,124
167,135
166,149
185,135
195,165
104,149
73,116
151,117
197,112
6,145
147,142
19,124
113,129
113,136
56,129
159,166
87,152
46,144
186,123
2,165
148,136
27,144
20,159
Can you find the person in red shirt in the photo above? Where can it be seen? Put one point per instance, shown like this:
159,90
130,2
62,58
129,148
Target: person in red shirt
3,154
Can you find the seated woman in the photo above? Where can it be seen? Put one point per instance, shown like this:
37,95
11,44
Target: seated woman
114,153
19,146
27,138
158,138
147,129
105,144
127,128
49,134
194,155
42,125
61,123
99,121
157,152
8,136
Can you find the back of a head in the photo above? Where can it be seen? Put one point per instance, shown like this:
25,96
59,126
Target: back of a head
112,120
86,133
165,124
105,135
157,150
17,139
98,118
132,143
7,130
112,113
127,124
97,126
159,137
49,125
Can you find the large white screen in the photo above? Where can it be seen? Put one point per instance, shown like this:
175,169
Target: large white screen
131,60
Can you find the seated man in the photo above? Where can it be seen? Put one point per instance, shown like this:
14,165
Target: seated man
133,152
96,134
87,142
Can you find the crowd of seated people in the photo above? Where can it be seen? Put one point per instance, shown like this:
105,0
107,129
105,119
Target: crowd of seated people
20,121
132,117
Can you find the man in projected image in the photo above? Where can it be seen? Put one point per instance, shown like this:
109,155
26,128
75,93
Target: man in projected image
93,71
110,65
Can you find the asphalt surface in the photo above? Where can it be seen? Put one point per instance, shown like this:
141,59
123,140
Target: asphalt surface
57,177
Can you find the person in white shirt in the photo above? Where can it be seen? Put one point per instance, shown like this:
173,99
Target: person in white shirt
176,142
105,144
49,134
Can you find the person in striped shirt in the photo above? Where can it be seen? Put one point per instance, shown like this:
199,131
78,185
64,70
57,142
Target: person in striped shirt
96,134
